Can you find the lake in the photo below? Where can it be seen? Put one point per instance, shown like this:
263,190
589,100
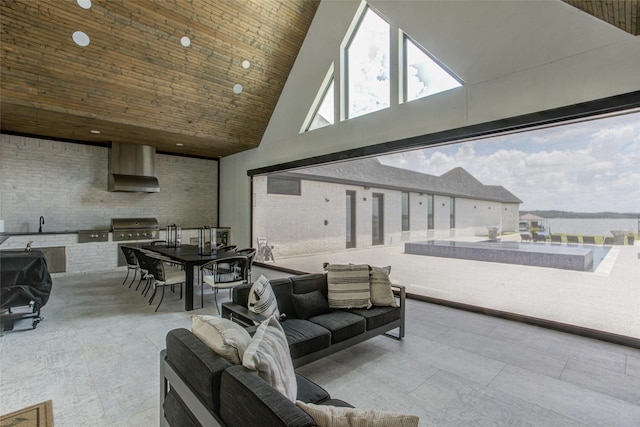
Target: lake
591,226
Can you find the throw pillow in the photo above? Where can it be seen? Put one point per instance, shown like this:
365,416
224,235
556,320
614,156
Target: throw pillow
310,304
334,416
348,285
380,284
226,338
268,353
262,300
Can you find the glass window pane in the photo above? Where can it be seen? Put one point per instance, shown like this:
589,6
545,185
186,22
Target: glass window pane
368,66
405,211
277,185
424,76
325,114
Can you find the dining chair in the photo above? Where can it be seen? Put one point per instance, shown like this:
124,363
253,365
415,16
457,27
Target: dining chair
251,254
143,268
226,248
163,276
132,263
224,273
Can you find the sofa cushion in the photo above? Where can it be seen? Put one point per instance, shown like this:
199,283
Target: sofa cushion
325,415
305,337
283,288
226,338
247,400
197,364
380,285
310,304
268,353
262,300
348,286
305,283
378,316
310,392
342,324
177,413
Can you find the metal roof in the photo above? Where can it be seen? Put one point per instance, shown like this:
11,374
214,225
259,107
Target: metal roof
371,172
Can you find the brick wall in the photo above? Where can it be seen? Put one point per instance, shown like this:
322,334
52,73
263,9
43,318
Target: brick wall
67,184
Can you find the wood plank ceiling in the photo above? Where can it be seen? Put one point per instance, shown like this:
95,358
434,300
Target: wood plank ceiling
623,14
135,82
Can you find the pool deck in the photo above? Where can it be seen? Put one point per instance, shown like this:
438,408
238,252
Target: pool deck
607,299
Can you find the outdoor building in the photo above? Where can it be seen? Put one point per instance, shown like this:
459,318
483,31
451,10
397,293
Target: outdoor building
364,203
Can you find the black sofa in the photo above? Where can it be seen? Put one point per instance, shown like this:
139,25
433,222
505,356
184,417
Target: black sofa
200,388
318,336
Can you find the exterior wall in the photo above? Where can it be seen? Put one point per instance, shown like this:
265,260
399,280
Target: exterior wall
510,217
315,221
418,217
67,184
441,229
474,216
524,60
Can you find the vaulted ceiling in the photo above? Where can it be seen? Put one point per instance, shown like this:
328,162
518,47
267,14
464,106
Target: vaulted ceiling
624,14
136,82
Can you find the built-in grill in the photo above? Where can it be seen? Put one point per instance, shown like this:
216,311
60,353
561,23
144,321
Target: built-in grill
134,229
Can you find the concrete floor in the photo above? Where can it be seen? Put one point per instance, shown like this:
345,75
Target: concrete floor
96,356
605,300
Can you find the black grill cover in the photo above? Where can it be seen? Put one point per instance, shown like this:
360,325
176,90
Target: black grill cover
23,278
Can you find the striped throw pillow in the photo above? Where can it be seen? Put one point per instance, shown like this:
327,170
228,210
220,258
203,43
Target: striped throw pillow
348,286
268,353
262,300
381,292
334,416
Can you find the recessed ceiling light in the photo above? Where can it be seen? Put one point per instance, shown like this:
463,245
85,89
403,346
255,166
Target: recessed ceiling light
185,41
95,131
81,38
85,4
179,144
246,64
237,88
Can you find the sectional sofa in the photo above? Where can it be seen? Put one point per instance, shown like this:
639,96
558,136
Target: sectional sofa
200,388
313,330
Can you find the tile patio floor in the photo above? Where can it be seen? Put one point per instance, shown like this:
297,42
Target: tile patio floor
96,356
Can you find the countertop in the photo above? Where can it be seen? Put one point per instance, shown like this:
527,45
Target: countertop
35,233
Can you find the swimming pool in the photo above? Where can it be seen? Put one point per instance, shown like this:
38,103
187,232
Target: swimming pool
573,257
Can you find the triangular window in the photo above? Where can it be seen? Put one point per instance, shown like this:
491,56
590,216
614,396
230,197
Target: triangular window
367,63
322,113
424,75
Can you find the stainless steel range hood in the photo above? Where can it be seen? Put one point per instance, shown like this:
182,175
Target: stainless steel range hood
132,168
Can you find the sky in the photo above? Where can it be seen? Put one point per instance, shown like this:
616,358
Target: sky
590,166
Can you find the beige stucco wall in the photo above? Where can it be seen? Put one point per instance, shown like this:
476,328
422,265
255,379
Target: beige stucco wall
515,57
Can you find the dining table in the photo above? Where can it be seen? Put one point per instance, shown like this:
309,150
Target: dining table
190,258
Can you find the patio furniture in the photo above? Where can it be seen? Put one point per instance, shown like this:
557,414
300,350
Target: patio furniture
264,252
189,257
572,240
224,273
163,276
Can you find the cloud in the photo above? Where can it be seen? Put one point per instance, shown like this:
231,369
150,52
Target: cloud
589,166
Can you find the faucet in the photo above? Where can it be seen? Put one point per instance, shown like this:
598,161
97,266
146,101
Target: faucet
41,224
